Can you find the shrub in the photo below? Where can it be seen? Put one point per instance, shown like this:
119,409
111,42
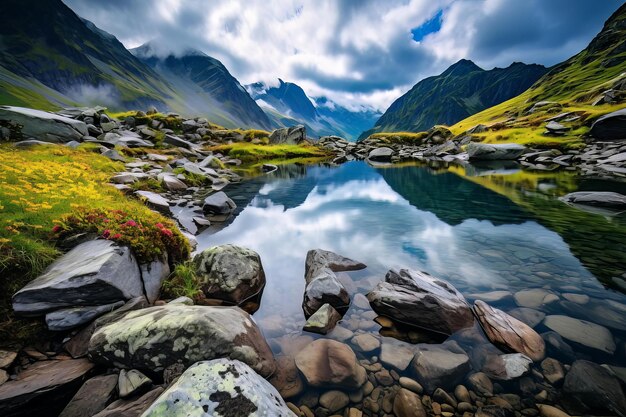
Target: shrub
150,236
182,282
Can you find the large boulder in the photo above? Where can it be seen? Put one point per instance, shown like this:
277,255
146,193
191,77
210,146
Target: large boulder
232,275
47,127
322,285
157,337
440,366
327,363
606,199
26,395
611,126
382,154
504,330
591,389
489,151
219,387
97,272
418,299
288,135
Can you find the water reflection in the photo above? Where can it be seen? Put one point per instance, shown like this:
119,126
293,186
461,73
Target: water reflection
482,231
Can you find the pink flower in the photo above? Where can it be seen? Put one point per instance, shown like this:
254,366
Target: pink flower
106,234
167,232
56,228
131,223
116,236
159,225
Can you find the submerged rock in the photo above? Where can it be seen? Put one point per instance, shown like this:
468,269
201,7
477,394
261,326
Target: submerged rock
330,364
156,337
591,389
41,125
437,366
505,330
418,299
94,273
231,274
583,332
219,387
490,151
507,367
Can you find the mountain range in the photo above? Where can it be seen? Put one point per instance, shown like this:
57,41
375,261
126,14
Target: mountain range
460,91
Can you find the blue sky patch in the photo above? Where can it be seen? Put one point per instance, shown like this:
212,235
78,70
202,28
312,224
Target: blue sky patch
432,25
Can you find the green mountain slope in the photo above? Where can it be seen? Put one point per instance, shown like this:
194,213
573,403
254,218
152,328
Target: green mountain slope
206,87
460,91
577,86
55,48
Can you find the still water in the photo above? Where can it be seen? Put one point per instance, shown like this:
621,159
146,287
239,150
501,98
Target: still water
484,229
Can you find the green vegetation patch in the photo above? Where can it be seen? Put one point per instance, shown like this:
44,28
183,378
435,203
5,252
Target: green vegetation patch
250,153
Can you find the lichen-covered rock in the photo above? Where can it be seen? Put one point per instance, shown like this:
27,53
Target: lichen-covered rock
94,273
323,320
219,387
508,331
418,299
157,337
230,274
41,125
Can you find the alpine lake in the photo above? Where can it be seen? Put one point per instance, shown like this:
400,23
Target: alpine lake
496,232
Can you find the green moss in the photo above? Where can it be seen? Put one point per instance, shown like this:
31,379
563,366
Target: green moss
409,138
183,282
251,153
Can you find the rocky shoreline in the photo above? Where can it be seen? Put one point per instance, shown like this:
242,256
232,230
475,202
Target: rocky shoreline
123,351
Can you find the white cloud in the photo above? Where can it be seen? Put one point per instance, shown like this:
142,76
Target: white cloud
356,53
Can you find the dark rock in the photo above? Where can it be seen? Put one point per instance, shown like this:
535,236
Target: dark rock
41,125
42,385
418,299
70,318
156,337
382,154
591,389
131,407
610,127
218,206
97,272
490,151
93,397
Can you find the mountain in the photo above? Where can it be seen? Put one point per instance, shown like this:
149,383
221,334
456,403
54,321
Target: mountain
460,91
49,56
287,104
584,87
205,86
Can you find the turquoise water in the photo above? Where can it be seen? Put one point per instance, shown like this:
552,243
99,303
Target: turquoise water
483,229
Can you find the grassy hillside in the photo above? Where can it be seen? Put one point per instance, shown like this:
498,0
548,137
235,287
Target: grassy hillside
572,86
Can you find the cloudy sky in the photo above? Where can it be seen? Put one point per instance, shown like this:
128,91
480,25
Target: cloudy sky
365,52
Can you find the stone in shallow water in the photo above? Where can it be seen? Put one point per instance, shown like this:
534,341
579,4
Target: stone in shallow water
396,355
157,337
606,199
328,363
287,379
502,329
219,387
591,389
533,298
97,272
323,320
530,316
366,343
408,404
419,299
437,367
583,332
507,367
492,296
